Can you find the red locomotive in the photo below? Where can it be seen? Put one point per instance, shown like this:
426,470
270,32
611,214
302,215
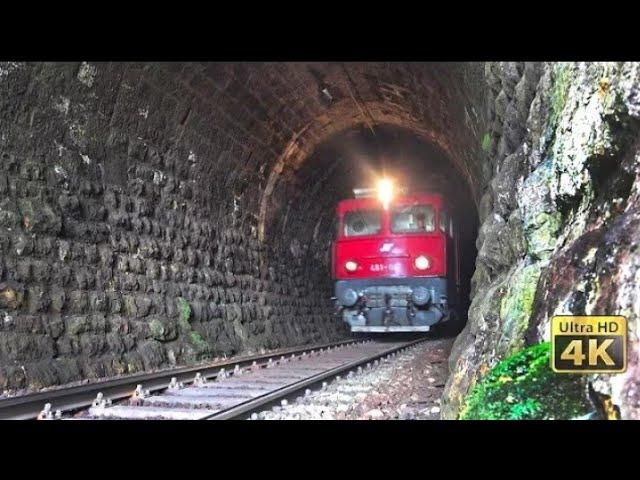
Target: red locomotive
395,261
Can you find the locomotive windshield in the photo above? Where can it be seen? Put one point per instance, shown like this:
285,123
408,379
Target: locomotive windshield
362,222
413,219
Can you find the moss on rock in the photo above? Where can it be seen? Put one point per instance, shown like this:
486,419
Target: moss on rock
542,235
516,307
162,330
559,91
184,314
199,342
523,387
486,142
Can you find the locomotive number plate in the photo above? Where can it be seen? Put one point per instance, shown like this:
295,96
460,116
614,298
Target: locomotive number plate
384,268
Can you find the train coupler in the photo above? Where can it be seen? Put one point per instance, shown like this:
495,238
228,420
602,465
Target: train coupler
411,310
361,305
388,316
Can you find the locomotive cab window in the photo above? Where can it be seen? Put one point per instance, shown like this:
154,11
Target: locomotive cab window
443,221
413,219
362,222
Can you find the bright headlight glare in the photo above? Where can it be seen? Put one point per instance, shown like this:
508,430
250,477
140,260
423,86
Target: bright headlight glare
421,262
385,192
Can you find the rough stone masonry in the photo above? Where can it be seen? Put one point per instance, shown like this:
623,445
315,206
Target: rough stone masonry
156,214
116,256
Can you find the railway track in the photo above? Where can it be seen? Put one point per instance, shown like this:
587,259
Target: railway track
232,390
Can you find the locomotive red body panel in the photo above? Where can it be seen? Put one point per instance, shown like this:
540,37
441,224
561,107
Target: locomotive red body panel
390,256
395,266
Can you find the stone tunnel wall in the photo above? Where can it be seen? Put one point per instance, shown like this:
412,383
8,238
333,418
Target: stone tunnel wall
125,244
138,199
560,218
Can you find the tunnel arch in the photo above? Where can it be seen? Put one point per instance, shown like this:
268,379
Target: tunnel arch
293,156
350,113
284,171
300,225
275,114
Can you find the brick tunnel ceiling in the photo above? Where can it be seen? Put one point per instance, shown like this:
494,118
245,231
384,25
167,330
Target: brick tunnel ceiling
282,114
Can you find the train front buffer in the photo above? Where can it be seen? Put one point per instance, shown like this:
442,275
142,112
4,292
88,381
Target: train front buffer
392,305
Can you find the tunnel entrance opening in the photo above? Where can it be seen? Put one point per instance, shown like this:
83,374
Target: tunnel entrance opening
306,197
212,236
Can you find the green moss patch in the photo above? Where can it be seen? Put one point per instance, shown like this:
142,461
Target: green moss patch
201,346
516,307
542,234
486,142
184,314
197,340
559,91
523,387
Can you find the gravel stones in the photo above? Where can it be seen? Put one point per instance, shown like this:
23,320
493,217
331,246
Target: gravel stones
405,387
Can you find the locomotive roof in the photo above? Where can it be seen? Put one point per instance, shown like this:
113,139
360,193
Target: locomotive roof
373,203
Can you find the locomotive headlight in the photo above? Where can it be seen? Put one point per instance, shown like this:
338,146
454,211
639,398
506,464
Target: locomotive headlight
385,192
421,262
350,266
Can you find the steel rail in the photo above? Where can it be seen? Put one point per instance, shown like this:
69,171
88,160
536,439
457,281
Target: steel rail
29,406
245,409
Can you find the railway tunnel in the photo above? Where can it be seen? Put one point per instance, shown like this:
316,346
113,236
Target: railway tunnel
159,214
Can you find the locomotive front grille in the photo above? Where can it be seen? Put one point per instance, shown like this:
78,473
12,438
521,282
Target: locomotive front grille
375,296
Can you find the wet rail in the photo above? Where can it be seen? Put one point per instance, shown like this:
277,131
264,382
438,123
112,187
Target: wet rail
70,399
235,390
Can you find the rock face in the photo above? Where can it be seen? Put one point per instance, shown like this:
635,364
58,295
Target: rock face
559,237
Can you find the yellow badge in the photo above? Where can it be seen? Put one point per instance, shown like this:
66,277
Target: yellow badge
590,344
